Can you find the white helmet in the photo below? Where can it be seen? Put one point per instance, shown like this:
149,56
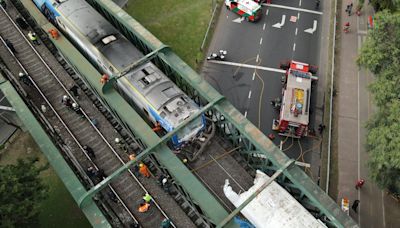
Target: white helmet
21,74
74,105
116,140
65,97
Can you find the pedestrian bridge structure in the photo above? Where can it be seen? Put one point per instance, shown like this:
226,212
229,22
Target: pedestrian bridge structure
255,148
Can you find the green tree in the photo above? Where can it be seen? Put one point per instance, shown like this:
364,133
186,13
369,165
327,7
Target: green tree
21,191
385,4
383,145
382,47
381,55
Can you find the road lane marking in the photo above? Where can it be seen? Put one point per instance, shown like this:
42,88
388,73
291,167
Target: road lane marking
258,56
293,8
249,94
245,114
296,32
298,16
261,41
279,25
254,76
294,47
313,29
248,66
266,13
264,26
299,3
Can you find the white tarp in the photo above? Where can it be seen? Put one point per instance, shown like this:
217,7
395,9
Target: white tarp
274,207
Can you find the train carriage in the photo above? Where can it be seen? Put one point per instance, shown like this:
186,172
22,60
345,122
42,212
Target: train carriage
151,91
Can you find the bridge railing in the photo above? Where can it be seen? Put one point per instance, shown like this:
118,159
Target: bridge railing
257,151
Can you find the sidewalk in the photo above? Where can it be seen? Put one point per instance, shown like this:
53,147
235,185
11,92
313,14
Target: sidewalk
355,107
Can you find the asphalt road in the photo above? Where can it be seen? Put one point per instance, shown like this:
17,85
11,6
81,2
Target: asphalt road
263,44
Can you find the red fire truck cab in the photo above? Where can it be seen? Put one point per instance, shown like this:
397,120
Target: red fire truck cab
296,92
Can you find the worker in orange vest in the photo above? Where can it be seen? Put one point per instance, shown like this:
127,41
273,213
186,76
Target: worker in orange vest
104,79
54,33
157,127
143,207
144,170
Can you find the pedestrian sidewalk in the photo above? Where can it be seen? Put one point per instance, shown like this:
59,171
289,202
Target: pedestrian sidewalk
355,107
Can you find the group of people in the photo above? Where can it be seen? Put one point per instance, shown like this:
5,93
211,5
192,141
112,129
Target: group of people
348,10
358,185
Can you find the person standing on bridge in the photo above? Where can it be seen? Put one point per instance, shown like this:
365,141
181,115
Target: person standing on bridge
144,170
147,198
66,101
89,151
32,36
24,79
10,46
143,207
360,183
355,205
54,33
166,223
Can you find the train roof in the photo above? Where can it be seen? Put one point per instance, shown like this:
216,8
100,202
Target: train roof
113,45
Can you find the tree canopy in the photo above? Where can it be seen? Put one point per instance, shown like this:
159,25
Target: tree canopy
381,55
21,191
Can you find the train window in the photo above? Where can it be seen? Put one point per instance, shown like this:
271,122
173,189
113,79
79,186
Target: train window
145,112
145,72
145,81
108,39
170,92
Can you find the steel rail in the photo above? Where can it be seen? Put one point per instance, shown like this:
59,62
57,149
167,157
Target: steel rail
70,133
84,113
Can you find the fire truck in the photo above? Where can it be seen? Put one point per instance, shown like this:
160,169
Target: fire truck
296,93
248,9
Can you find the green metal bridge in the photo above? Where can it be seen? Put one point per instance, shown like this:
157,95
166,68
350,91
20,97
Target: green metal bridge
258,151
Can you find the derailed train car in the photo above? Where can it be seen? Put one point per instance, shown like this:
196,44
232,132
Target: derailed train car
148,87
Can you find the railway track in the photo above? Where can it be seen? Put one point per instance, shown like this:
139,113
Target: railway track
46,87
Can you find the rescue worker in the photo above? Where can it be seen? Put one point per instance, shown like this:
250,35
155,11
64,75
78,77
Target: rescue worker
360,183
355,205
74,90
166,223
157,127
24,79
121,144
132,157
346,28
147,198
104,79
317,4
100,174
89,151
10,46
66,101
77,109
43,108
166,185
32,36
144,170
143,207
91,172
54,33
